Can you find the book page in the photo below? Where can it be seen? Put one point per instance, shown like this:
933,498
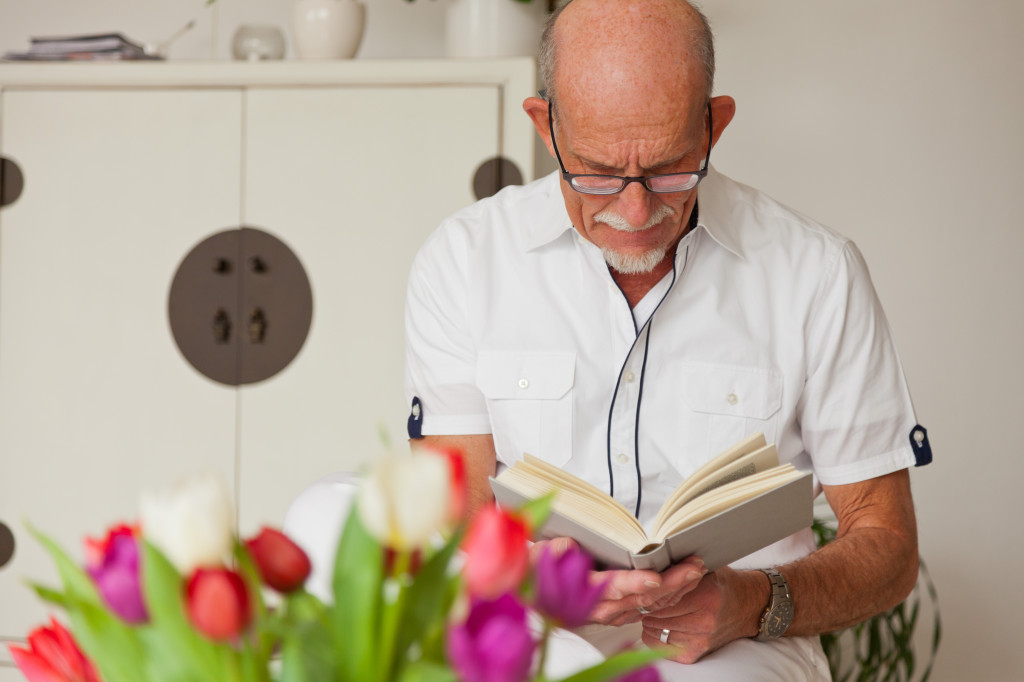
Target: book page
700,479
576,499
721,498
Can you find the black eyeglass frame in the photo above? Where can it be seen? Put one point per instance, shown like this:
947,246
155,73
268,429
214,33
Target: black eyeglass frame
627,179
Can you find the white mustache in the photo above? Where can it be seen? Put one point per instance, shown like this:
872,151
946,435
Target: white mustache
615,221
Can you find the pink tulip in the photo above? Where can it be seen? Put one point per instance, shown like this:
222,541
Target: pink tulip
494,644
282,564
53,656
497,554
564,591
218,603
113,563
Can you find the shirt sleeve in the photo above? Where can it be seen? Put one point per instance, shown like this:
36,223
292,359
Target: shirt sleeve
440,354
856,415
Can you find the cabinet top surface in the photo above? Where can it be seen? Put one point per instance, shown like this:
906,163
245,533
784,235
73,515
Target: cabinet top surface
278,73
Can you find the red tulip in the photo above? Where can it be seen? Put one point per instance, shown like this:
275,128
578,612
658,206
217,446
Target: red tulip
496,552
457,480
53,656
218,603
282,564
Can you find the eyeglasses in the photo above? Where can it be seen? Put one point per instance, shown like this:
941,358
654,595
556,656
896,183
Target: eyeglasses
587,183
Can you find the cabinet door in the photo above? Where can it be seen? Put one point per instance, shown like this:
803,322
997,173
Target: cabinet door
353,179
96,403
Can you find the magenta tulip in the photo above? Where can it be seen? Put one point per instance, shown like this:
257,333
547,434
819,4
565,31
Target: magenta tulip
113,564
565,593
53,656
494,644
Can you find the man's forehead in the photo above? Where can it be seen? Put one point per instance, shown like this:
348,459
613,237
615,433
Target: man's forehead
620,71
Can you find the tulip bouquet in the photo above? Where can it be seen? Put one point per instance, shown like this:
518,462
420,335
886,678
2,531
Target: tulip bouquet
177,597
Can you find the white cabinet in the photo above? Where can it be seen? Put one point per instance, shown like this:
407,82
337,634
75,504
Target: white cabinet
126,168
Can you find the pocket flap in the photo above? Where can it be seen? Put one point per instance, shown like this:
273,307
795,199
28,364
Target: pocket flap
751,392
511,375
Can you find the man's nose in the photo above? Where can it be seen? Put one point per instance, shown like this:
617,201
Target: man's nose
635,204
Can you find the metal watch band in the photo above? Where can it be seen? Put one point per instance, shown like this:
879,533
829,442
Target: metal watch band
779,612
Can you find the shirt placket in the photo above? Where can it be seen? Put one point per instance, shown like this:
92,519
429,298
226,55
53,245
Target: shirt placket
622,429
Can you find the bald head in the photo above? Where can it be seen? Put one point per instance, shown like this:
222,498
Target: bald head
629,47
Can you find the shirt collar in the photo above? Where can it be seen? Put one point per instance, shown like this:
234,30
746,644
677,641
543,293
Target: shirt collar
712,215
553,221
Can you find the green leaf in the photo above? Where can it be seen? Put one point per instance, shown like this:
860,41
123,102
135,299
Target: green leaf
110,642
425,600
355,614
617,665
114,646
50,595
173,644
307,650
77,584
536,511
424,671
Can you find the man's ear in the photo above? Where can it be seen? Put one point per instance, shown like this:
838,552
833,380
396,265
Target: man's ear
537,109
723,108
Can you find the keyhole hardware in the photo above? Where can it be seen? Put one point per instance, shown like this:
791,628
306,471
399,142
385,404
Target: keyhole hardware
221,326
240,306
257,326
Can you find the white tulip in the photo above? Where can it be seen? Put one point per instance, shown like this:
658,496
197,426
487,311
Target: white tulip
192,523
403,502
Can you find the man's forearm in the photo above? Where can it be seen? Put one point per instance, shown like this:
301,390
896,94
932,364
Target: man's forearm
871,565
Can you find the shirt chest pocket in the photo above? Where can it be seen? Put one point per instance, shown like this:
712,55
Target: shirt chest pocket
724,403
529,399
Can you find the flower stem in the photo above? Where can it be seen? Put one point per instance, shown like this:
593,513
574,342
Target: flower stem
543,649
393,603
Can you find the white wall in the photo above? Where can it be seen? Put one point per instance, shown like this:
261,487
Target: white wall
898,122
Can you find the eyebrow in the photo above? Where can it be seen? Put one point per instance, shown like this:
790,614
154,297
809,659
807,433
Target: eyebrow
603,167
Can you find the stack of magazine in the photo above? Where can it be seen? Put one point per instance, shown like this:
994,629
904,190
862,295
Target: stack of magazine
93,47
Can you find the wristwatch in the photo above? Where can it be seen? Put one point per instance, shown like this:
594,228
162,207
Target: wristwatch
779,613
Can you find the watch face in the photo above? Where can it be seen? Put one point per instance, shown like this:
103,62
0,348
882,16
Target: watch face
778,619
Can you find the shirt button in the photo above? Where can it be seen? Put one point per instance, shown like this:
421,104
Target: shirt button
919,436
622,458
628,377
731,399
524,383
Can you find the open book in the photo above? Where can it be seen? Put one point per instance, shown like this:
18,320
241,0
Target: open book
737,503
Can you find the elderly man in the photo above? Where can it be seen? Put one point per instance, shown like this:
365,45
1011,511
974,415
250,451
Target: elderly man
632,315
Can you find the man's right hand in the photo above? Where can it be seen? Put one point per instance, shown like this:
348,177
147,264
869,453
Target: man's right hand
629,591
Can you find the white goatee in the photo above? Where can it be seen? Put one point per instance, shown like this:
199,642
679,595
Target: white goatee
629,264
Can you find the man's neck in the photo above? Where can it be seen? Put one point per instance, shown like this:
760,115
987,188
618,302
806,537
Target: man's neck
635,287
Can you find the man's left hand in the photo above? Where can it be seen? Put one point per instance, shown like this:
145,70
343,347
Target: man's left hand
705,618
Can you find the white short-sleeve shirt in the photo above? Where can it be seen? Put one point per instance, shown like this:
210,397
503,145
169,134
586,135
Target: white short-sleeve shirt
769,322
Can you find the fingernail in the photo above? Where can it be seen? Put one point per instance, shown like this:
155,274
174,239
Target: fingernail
693,576
651,583
699,562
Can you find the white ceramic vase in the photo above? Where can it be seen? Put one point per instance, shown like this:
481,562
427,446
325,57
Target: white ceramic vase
327,29
494,28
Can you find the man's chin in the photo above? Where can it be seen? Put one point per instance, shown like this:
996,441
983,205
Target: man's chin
633,264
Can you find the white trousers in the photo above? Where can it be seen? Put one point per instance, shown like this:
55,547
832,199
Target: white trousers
315,519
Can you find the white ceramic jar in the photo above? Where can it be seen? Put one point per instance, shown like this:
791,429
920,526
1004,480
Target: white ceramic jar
327,29
494,28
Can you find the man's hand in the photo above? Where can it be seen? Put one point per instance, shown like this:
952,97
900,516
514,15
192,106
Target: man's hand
709,615
630,595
